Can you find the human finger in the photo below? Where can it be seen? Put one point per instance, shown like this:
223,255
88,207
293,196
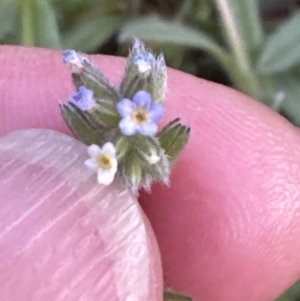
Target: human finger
62,235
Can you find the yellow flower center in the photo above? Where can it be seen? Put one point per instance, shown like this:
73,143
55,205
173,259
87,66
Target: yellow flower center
105,161
140,116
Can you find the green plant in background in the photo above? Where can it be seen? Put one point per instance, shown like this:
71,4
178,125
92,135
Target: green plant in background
222,40
293,294
259,64
229,33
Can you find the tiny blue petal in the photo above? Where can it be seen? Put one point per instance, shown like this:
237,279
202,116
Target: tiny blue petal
142,99
126,107
128,126
148,129
69,56
156,112
83,99
141,57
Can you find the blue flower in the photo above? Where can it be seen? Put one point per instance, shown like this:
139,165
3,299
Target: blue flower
69,56
75,60
140,114
144,62
83,99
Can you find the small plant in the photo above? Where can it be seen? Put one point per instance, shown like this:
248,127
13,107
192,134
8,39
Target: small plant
120,123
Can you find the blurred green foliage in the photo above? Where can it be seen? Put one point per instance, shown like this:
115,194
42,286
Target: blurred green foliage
292,294
252,45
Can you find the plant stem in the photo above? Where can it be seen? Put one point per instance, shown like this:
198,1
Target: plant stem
27,33
247,82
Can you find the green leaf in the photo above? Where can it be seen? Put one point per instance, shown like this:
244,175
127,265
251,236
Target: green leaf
92,78
172,296
246,14
91,33
7,18
282,48
38,24
155,29
164,31
173,138
72,5
288,87
81,126
292,294
159,30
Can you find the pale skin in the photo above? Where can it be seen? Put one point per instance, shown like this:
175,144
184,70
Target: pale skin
228,228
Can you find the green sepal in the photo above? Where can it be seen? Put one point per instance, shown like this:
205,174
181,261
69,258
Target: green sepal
147,148
133,80
172,296
142,162
159,79
173,138
122,147
152,81
138,84
147,182
92,78
159,172
107,113
131,172
81,127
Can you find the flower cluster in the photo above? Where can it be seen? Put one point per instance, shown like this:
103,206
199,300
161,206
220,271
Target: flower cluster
120,124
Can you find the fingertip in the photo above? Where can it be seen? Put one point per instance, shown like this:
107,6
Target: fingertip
34,81
62,235
231,191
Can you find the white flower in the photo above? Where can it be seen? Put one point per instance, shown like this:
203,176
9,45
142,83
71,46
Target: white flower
153,158
103,161
144,63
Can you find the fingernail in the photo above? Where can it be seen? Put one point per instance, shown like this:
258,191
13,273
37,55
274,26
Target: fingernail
63,236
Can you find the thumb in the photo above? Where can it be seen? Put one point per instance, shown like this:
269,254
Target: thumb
62,236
